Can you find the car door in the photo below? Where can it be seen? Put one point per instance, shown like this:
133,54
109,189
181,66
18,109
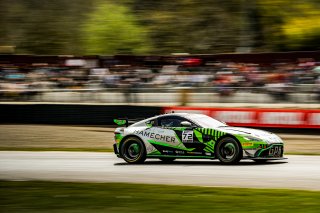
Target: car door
164,138
187,143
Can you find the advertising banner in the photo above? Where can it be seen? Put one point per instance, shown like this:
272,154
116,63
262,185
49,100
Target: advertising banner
256,117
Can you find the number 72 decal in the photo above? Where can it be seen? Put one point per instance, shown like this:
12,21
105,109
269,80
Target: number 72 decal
187,136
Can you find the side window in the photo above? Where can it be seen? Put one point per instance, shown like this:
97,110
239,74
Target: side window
151,123
170,121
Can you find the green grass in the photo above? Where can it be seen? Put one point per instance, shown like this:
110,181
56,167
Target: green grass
119,197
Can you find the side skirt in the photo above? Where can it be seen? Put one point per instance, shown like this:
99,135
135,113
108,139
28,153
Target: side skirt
180,156
261,158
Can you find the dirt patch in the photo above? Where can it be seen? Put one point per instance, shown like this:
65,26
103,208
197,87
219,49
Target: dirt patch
94,138
47,136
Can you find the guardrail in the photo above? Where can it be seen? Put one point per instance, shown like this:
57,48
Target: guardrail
75,114
100,114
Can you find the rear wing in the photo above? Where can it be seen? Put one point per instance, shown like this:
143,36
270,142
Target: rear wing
126,121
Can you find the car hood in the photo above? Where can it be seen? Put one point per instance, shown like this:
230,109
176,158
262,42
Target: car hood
264,135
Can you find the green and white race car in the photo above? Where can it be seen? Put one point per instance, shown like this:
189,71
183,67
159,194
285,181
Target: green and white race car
185,135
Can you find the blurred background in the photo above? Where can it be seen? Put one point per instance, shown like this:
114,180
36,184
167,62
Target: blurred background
209,51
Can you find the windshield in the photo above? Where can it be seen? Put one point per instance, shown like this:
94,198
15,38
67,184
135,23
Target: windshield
206,121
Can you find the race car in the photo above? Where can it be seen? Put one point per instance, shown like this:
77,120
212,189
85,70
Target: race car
195,136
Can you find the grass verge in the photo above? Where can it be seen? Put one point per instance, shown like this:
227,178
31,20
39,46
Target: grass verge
120,197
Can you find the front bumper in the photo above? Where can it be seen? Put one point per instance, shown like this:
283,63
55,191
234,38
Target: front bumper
270,151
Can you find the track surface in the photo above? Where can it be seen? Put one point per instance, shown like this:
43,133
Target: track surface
298,172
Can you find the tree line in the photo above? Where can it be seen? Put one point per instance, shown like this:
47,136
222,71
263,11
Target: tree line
110,27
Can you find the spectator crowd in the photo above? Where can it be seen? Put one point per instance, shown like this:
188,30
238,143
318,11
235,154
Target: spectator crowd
226,78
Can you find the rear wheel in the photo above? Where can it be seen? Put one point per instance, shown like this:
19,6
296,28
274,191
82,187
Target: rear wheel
228,151
133,150
167,160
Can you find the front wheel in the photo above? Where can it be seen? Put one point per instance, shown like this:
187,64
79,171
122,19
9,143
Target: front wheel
228,151
133,150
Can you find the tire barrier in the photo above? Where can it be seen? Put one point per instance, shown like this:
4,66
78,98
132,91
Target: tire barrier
75,114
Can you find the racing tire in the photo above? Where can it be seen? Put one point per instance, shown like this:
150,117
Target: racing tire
167,160
133,150
228,151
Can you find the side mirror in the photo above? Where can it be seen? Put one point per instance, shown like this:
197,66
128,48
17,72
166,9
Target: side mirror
185,124
149,124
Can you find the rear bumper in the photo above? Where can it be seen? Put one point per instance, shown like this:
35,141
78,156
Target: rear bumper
115,149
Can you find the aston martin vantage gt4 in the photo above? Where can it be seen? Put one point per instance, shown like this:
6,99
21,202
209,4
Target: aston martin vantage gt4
195,136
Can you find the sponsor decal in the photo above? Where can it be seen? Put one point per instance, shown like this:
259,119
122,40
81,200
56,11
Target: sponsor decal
169,152
156,136
178,152
234,116
314,118
187,136
195,153
290,118
247,144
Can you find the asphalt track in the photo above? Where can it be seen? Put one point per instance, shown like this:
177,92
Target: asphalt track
297,172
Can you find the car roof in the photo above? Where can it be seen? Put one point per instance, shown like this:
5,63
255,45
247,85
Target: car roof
176,113
181,114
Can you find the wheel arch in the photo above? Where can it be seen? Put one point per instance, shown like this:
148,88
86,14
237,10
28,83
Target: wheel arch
227,136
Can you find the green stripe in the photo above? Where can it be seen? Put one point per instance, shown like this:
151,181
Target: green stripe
177,156
156,152
210,145
210,149
206,149
198,134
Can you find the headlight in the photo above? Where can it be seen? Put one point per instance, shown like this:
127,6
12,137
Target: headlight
250,138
